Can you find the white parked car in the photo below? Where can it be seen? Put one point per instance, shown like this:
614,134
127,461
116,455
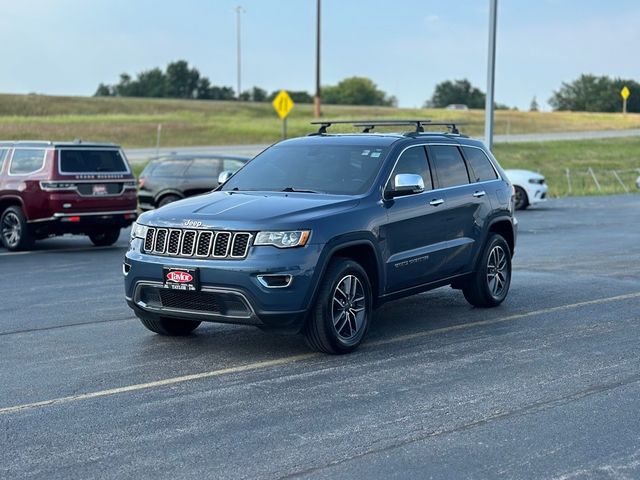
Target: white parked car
638,182
530,187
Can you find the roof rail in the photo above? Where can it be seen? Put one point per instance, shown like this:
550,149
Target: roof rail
368,125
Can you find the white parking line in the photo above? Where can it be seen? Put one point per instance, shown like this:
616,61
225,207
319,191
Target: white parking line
297,358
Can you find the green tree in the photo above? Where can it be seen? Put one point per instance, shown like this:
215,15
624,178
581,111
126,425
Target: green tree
181,81
104,91
589,93
456,92
534,105
356,91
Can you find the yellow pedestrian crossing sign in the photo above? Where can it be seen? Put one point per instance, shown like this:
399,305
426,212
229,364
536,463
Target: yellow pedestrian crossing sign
282,104
625,92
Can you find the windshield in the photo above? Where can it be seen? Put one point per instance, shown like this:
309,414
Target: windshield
91,161
333,169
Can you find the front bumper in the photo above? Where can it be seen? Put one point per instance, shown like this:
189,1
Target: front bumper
537,193
232,291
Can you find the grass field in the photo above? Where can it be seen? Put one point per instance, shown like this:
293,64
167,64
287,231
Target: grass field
552,159
133,123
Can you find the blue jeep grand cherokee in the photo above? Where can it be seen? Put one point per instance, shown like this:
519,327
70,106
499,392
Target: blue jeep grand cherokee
314,233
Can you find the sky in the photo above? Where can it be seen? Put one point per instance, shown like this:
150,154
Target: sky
68,47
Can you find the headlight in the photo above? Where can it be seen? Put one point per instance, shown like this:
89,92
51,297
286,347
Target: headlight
297,238
138,231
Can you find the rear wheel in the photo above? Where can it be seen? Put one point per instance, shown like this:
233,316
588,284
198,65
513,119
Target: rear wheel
105,238
167,199
171,327
522,200
489,284
14,230
341,316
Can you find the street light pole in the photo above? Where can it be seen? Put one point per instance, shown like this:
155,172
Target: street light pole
239,11
491,73
316,100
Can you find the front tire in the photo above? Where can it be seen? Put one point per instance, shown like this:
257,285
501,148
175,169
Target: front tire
14,230
170,327
489,284
167,199
105,238
340,318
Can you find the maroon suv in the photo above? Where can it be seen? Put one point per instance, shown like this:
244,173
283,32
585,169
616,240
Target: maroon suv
53,188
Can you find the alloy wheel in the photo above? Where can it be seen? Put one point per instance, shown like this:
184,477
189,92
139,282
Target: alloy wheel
497,271
11,229
348,307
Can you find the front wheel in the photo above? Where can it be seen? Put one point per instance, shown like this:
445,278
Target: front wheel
342,312
489,284
105,238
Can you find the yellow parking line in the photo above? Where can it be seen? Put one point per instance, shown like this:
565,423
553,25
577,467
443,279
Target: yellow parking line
297,358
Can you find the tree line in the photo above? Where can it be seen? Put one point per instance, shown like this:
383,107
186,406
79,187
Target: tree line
179,80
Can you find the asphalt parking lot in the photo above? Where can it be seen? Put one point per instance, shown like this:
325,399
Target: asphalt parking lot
545,386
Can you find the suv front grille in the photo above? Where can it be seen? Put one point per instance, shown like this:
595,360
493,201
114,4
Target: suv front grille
197,243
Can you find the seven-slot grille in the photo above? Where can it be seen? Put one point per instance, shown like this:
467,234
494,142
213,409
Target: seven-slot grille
179,242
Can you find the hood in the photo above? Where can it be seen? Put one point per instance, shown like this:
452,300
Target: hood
249,210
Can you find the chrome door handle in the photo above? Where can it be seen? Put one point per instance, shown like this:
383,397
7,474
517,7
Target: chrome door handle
436,202
479,194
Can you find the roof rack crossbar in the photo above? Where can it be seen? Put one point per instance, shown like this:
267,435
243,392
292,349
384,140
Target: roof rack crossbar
368,125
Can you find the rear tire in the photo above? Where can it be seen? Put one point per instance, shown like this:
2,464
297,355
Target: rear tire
170,327
522,200
105,238
15,232
489,284
167,199
341,315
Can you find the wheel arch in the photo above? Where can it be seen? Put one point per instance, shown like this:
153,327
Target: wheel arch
166,192
361,249
504,227
11,201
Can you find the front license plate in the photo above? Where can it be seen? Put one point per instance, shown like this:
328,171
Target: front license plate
186,279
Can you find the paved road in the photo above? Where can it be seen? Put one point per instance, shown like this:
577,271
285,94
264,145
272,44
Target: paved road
545,386
138,155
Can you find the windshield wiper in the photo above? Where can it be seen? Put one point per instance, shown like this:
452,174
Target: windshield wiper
297,190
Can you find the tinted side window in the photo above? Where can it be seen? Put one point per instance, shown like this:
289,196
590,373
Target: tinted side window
205,167
414,160
449,166
480,164
166,169
26,161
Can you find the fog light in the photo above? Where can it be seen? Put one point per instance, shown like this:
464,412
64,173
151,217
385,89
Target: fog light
275,281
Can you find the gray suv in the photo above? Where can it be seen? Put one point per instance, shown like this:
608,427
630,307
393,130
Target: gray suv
315,232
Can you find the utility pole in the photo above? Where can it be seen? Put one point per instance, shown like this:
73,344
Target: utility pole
239,11
316,99
491,73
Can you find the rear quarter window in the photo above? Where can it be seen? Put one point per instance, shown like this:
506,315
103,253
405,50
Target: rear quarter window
26,160
92,161
481,168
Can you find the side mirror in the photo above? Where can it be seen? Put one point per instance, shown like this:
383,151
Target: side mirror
224,176
406,184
